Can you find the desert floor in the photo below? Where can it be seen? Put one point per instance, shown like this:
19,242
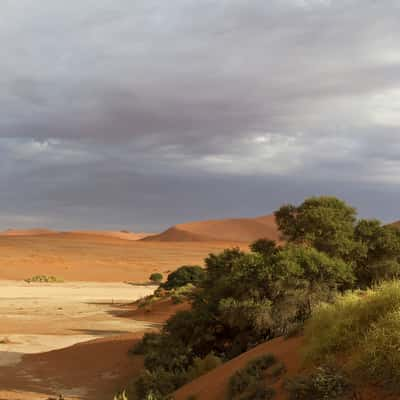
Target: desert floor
73,338
37,320
92,258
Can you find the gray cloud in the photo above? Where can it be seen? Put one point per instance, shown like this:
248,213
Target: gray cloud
130,106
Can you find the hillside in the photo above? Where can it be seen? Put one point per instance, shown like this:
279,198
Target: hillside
233,229
396,224
214,385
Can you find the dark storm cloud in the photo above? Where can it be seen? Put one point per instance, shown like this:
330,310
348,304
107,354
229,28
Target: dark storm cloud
130,106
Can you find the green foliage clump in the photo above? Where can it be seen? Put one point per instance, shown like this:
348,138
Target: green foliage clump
182,276
44,279
326,383
265,247
365,328
379,252
248,382
242,299
326,223
156,277
342,327
201,366
380,356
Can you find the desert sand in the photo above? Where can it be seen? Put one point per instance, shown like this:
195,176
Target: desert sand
40,323
97,258
214,385
230,230
73,337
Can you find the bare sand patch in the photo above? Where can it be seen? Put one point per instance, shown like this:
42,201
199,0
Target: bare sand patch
56,338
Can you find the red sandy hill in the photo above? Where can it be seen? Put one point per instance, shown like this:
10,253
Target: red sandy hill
234,229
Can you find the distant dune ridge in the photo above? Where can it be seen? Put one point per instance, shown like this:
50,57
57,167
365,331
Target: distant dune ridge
125,235
232,229
28,232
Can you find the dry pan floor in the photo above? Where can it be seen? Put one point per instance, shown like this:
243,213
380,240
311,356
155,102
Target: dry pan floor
40,321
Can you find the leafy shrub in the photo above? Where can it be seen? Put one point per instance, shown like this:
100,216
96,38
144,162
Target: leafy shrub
203,365
258,391
184,275
156,383
156,277
324,384
248,381
380,356
265,247
342,327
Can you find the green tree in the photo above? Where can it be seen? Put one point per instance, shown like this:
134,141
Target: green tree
265,247
327,223
379,256
156,277
182,276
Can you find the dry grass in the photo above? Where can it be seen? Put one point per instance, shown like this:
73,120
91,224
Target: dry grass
79,257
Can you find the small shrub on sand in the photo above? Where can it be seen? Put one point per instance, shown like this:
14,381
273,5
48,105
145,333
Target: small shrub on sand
203,365
156,277
44,279
325,383
248,382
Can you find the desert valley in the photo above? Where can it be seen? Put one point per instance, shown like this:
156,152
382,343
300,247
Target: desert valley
198,200
100,274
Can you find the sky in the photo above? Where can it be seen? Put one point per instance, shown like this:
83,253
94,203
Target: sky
121,114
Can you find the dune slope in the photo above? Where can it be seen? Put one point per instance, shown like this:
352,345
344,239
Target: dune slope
233,229
214,385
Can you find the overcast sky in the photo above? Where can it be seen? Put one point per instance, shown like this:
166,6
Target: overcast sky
124,114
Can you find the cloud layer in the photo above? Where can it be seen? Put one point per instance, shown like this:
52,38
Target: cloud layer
138,114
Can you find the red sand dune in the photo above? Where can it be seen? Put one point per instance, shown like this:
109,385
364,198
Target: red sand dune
124,235
28,232
214,385
234,229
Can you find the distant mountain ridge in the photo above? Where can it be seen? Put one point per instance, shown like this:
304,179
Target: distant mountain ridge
230,230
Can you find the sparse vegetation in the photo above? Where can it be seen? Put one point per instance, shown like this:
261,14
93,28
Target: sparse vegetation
248,382
156,277
326,383
44,279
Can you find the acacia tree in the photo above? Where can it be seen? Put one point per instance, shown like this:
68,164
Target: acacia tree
326,223
380,252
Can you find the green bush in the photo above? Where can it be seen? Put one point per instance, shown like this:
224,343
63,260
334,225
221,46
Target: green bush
343,326
380,356
325,383
202,365
258,391
184,275
248,382
265,247
156,277
242,299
